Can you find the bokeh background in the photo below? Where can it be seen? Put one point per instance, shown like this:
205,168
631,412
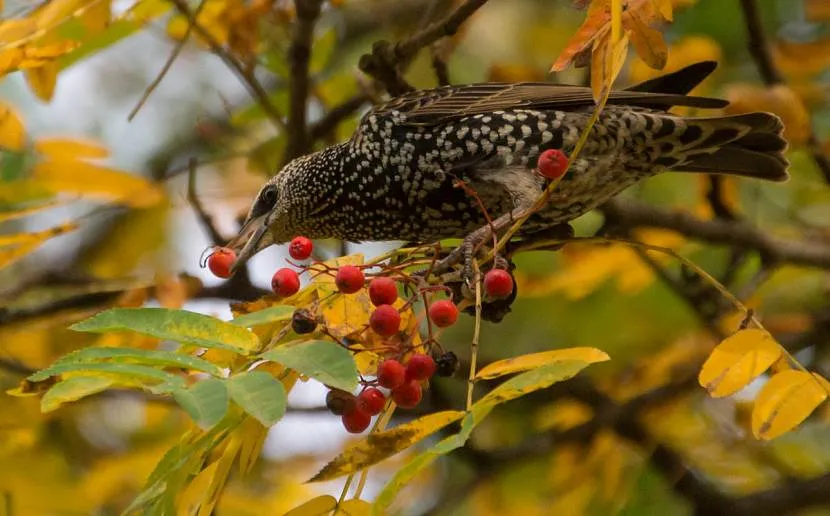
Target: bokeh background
93,457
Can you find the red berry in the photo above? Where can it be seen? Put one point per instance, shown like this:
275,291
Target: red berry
407,395
382,291
300,248
349,279
443,313
285,282
371,401
498,283
220,262
391,374
385,320
420,367
356,421
552,164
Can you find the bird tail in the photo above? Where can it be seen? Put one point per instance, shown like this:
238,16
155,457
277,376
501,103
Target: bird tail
747,145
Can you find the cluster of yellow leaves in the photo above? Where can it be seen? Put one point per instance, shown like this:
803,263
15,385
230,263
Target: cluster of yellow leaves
785,400
586,268
609,27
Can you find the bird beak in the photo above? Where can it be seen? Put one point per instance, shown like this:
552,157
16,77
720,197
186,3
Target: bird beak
250,239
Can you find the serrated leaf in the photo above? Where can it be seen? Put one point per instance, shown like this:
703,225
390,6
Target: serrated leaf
269,315
318,506
534,360
128,374
323,360
786,400
381,445
177,325
73,389
738,360
141,356
206,401
259,394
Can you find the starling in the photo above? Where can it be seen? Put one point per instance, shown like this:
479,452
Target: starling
399,176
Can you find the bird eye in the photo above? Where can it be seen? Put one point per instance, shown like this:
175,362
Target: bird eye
265,202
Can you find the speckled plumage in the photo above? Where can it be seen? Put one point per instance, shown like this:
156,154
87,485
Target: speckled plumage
397,177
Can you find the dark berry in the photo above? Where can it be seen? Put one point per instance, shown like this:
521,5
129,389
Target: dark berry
385,320
371,401
220,262
349,279
443,313
285,282
300,248
498,283
382,291
552,164
391,373
407,395
446,364
356,421
340,402
303,321
420,367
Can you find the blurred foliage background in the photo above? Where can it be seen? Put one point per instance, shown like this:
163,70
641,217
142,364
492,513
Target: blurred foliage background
635,435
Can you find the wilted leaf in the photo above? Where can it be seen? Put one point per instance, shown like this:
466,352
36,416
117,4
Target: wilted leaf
97,182
140,356
73,389
606,63
597,23
268,315
206,401
177,325
785,401
323,360
535,360
318,506
259,394
12,132
64,149
378,446
738,360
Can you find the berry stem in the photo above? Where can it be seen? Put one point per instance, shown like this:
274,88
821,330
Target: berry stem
476,333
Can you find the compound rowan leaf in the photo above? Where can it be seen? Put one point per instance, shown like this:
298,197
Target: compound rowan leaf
73,389
12,133
317,506
738,360
324,360
786,400
70,149
535,360
265,316
378,446
206,401
177,325
259,394
149,357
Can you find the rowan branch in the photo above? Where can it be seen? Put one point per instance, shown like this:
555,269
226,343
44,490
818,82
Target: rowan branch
760,51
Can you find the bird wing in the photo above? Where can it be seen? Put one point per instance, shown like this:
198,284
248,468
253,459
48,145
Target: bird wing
440,105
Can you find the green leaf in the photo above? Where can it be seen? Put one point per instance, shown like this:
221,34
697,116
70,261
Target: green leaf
259,394
323,360
73,389
129,374
323,50
141,356
269,315
206,401
177,325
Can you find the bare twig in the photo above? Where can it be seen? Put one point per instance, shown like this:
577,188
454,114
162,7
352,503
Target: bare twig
193,199
299,55
336,115
245,75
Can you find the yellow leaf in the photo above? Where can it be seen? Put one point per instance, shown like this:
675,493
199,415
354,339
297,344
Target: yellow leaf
252,434
665,9
648,42
378,446
319,506
687,50
12,133
354,507
534,360
55,12
606,62
98,182
72,389
596,26
189,500
20,245
785,401
96,16
70,149
738,360
6,216
16,32
42,80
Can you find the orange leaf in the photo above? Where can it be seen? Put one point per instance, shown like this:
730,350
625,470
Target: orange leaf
738,360
817,10
597,23
785,401
648,42
606,62
42,80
